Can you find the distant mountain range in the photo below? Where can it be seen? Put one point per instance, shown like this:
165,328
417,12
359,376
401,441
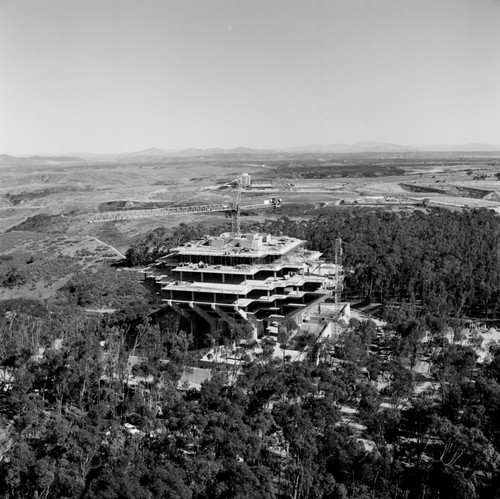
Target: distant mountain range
192,152
358,147
152,154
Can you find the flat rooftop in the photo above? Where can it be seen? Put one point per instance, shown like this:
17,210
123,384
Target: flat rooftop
253,245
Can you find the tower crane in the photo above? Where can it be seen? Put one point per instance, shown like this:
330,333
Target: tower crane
232,210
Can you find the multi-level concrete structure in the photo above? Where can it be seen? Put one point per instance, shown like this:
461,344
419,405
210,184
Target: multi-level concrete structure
249,283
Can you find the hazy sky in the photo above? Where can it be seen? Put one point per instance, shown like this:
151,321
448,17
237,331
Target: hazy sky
122,75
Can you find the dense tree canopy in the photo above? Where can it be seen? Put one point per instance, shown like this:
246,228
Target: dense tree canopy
447,261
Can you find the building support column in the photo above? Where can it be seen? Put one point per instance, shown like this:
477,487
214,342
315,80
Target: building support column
204,315
179,310
233,323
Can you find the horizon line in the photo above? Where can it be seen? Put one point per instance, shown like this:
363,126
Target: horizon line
306,148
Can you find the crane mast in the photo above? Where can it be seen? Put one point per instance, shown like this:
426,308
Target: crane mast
235,214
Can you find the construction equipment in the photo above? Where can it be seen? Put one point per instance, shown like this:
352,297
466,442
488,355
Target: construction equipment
249,184
232,210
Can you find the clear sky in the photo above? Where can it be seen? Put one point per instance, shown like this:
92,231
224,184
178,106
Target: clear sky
123,75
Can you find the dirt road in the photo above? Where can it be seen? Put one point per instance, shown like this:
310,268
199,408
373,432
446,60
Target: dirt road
108,245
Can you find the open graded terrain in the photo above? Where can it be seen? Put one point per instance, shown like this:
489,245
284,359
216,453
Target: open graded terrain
75,189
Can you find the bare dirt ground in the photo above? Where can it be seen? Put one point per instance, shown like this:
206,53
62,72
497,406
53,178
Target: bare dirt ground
77,191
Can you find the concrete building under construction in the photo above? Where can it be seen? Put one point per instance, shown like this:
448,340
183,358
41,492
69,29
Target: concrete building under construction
247,283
